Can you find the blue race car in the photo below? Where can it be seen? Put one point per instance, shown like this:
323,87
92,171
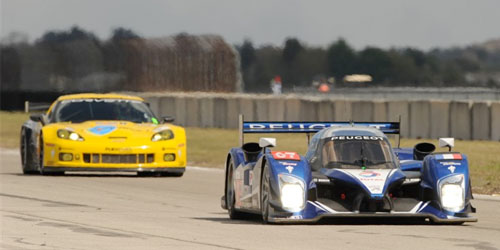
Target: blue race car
349,170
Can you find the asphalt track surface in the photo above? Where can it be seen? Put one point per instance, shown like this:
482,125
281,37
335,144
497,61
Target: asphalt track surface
122,211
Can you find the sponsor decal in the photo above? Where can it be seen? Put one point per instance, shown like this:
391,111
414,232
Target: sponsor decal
313,126
374,181
451,163
295,217
358,137
287,126
369,174
285,155
102,129
452,169
288,163
118,149
449,157
375,189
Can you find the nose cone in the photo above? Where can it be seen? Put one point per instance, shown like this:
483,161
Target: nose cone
374,181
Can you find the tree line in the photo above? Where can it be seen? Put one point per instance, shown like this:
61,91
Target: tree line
299,65
75,60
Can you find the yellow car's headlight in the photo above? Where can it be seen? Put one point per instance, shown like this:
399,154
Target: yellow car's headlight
69,135
163,135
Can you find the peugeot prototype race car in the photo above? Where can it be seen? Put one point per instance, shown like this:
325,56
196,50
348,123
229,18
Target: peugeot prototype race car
349,170
102,132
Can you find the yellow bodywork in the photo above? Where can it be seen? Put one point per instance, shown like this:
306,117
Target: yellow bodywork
112,145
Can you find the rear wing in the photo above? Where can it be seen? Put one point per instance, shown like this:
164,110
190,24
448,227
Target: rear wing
36,106
307,127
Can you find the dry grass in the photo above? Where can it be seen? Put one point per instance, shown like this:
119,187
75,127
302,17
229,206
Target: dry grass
209,147
10,128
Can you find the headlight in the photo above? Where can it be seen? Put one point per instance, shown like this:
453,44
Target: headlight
69,135
292,193
452,193
163,135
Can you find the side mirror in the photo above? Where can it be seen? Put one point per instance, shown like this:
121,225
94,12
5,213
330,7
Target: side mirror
447,142
38,118
168,119
267,142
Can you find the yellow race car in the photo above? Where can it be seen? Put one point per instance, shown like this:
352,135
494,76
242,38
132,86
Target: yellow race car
102,132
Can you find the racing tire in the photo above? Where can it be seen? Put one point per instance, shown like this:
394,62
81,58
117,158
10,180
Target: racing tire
230,196
25,159
264,194
40,156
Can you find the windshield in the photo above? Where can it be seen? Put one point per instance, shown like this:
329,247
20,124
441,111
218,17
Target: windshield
374,153
81,110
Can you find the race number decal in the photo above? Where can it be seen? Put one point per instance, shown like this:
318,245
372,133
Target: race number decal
285,155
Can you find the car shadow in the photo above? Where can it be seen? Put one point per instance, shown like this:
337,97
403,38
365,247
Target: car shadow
256,219
92,174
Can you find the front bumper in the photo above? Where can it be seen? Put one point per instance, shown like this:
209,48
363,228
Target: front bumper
114,157
173,170
316,211
432,217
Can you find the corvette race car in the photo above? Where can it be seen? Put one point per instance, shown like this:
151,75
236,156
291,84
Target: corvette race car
102,132
349,170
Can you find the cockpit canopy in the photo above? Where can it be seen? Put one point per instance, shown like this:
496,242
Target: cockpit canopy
81,110
350,148
371,152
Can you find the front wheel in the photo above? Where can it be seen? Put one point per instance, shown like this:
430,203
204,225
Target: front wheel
40,156
25,162
230,196
264,194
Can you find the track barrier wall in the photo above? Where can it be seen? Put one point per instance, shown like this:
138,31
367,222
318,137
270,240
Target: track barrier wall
419,119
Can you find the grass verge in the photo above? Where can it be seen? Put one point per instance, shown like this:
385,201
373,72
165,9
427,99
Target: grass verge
208,147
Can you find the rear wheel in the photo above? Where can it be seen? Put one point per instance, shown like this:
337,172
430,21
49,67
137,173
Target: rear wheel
264,194
230,195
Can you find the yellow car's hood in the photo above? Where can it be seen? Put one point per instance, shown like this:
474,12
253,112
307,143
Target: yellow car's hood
115,129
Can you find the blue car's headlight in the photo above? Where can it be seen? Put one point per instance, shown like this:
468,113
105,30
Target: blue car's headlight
69,135
452,193
292,193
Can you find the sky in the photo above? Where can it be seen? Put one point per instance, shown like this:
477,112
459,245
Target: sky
423,24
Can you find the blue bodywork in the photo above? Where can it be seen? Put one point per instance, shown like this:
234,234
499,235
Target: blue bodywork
411,189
